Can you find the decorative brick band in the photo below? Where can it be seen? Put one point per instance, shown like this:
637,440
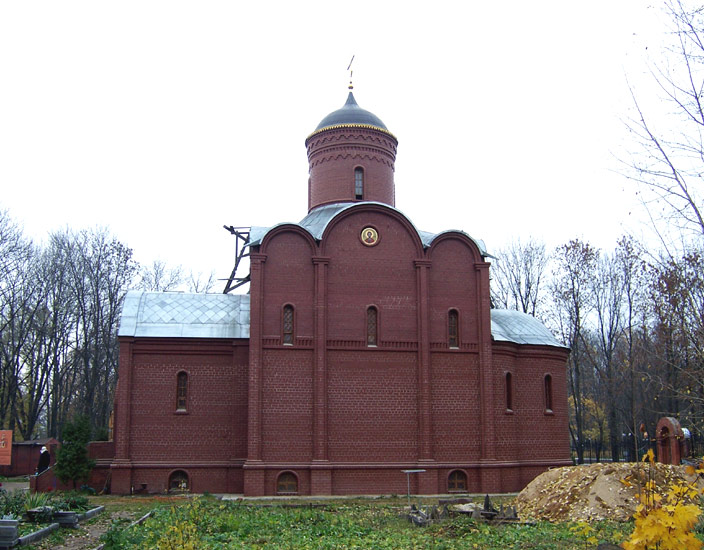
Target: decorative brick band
340,126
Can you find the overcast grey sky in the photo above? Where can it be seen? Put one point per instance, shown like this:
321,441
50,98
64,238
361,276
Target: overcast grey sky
165,120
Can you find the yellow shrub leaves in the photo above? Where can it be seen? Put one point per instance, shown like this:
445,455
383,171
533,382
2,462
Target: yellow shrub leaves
666,523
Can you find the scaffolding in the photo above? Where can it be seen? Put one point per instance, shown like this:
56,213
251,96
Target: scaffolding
241,251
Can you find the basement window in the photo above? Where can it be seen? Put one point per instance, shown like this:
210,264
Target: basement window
457,482
287,484
178,481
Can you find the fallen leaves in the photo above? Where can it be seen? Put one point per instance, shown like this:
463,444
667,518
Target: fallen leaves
593,492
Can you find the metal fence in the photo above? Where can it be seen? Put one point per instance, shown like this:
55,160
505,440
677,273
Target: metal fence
595,451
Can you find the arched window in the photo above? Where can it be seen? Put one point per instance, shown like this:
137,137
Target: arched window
181,391
359,183
372,326
288,325
287,484
453,333
178,481
509,391
548,392
457,481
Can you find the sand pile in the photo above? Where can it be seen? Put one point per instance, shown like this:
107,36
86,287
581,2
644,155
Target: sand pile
593,492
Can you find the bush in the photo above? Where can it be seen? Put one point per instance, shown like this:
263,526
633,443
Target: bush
72,462
666,523
12,503
71,500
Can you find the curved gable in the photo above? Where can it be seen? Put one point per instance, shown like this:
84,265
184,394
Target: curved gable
278,231
473,247
375,210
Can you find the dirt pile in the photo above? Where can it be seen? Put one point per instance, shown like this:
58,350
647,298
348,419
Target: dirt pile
594,492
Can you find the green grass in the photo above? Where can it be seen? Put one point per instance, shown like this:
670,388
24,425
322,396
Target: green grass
205,523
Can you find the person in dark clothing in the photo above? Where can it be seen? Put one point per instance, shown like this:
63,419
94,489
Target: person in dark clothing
44,459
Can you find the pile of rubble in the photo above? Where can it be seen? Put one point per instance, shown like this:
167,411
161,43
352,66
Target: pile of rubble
594,492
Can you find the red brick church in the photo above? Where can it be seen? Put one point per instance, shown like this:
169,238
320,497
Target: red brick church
364,347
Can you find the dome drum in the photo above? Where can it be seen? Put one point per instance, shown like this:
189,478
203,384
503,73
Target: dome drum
351,158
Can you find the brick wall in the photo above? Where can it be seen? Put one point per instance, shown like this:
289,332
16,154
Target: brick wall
207,440
457,431
343,416
372,406
334,154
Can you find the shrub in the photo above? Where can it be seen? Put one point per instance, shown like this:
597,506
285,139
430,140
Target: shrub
666,524
72,462
70,501
12,503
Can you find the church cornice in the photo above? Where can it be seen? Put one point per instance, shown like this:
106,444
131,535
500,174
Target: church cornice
340,126
335,138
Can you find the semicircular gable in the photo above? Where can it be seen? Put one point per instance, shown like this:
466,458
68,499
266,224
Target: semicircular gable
288,228
454,286
287,277
375,210
441,240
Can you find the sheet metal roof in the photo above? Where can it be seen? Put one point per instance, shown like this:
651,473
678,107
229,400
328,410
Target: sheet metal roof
318,219
513,326
351,114
181,315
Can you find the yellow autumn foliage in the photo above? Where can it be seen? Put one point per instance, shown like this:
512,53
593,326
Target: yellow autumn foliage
668,524
182,535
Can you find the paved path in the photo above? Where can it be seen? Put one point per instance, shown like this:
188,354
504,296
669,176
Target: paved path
14,485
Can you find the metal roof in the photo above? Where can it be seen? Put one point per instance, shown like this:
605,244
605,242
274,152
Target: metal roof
318,219
351,114
514,326
182,315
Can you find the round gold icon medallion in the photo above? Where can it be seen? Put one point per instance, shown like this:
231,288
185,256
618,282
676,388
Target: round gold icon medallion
369,236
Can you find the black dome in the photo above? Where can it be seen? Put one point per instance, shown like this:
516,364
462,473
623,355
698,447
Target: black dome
351,113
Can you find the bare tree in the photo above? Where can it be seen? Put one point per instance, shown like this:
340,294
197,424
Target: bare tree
18,304
677,301
58,330
669,160
201,283
158,277
571,289
101,271
518,277
608,288
629,258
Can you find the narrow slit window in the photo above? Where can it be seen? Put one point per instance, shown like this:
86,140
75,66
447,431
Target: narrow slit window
509,391
372,326
453,335
358,183
288,325
181,391
548,392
